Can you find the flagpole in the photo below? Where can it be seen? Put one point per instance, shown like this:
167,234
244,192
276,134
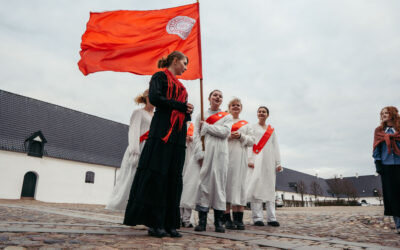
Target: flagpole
201,80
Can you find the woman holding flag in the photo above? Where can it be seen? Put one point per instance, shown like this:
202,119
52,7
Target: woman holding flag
240,139
264,162
157,186
214,162
138,132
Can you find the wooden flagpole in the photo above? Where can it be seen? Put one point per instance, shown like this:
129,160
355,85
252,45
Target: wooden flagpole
201,80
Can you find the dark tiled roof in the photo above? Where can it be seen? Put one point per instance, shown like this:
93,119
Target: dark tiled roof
288,175
365,184
70,134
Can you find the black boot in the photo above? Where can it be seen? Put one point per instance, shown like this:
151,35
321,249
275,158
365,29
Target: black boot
238,220
228,221
202,222
219,228
157,232
173,233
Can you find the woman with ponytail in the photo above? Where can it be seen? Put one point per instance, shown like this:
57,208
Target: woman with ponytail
157,186
386,152
138,131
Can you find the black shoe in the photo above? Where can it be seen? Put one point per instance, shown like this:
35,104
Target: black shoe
173,233
273,224
219,228
157,232
238,220
202,222
259,223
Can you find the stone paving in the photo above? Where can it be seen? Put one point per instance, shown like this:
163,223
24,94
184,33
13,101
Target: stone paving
29,224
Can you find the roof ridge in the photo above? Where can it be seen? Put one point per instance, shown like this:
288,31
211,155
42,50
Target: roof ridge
74,110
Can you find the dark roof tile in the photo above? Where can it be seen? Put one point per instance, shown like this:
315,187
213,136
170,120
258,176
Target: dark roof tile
70,134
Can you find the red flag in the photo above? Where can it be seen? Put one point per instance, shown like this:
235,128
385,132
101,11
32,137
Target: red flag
134,41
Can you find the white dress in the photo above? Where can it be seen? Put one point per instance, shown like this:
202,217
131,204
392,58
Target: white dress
191,173
237,167
139,124
213,173
261,180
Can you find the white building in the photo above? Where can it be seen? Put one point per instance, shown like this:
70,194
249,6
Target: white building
368,188
55,154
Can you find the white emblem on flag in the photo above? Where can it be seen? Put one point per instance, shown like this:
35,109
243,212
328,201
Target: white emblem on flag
219,114
181,26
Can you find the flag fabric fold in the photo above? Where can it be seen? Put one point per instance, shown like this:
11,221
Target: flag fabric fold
134,41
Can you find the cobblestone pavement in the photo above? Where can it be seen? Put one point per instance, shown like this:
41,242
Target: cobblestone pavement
38,225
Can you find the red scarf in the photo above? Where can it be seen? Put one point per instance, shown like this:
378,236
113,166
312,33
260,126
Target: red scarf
389,139
177,92
238,125
264,139
144,137
190,129
216,117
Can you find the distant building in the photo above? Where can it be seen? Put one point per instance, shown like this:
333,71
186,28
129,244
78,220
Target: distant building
368,189
55,154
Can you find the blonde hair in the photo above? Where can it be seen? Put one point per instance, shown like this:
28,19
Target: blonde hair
166,62
235,99
142,97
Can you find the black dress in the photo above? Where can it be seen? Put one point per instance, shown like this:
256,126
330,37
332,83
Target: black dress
156,190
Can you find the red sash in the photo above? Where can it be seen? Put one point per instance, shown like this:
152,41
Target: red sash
190,130
264,139
238,125
144,136
215,117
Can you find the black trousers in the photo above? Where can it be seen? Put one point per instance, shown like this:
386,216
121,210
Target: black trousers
391,189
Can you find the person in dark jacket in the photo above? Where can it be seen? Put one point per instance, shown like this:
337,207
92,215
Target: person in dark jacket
156,190
386,152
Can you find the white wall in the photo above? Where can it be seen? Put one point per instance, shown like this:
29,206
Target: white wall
58,180
308,198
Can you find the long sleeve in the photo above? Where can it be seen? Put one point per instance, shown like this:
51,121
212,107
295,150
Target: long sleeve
247,139
134,132
218,130
377,154
156,96
277,152
198,149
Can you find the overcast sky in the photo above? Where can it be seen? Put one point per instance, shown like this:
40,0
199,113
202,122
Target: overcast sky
324,68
